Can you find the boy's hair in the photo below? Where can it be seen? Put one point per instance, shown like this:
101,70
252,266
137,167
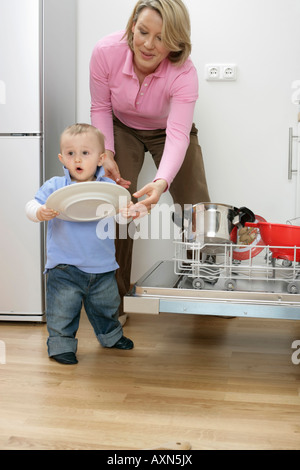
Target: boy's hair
82,128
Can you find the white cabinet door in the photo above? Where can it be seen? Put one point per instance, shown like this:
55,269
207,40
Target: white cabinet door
21,290
20,81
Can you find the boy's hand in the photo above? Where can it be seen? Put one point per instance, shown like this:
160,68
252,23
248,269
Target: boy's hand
44,214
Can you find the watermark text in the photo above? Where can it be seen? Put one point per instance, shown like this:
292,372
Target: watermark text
2,352
296,353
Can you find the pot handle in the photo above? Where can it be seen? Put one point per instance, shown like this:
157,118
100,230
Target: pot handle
246,215
182,219
177,220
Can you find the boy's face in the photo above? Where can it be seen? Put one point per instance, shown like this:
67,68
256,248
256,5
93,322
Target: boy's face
81,154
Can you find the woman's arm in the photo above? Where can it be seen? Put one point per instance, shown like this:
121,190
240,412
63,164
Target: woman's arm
112,170
183,96
101,112
180,119
101,107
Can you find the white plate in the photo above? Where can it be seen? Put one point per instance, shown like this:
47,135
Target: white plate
85,202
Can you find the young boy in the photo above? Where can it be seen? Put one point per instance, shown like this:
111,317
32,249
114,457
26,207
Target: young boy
80,266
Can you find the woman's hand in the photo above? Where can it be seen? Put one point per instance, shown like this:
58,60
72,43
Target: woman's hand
112,170
44,214
154,191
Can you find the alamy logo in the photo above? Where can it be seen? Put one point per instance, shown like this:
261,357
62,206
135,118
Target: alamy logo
2,352
296,354
153,225
296,93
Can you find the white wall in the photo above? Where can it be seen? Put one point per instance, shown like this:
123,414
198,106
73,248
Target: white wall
246,122
243,125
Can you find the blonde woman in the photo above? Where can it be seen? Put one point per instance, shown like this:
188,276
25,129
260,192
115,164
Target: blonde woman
144,87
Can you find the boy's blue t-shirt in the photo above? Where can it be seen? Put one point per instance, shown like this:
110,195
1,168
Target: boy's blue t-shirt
78,243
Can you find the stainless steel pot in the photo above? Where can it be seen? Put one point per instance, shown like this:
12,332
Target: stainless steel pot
210,223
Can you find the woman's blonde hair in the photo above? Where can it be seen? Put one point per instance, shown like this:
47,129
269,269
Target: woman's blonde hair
82,128
176,29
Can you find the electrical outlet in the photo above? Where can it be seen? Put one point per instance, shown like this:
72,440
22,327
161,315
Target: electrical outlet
228,72
212,72
220,72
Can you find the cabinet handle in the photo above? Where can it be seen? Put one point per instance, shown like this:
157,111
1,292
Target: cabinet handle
290,163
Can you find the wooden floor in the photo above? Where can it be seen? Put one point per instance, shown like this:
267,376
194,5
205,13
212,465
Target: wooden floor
214,382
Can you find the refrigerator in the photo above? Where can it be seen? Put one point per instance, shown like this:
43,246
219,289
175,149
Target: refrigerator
37,101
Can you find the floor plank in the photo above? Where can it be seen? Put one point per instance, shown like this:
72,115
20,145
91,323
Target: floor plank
214,382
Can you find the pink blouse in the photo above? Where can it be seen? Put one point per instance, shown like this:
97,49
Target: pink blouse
166,99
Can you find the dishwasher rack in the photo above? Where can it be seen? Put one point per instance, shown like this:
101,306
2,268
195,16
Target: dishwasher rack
216,264
207,279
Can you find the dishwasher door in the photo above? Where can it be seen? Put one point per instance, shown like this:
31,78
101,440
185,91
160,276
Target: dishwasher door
161,290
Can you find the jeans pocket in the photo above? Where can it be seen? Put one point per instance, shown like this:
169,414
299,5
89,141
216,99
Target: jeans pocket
63,267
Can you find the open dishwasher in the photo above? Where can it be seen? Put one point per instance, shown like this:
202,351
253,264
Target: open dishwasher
224,279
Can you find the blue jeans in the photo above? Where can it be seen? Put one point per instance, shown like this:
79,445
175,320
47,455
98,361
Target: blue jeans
67,289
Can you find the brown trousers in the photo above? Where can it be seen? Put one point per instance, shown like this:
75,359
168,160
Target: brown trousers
189,185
